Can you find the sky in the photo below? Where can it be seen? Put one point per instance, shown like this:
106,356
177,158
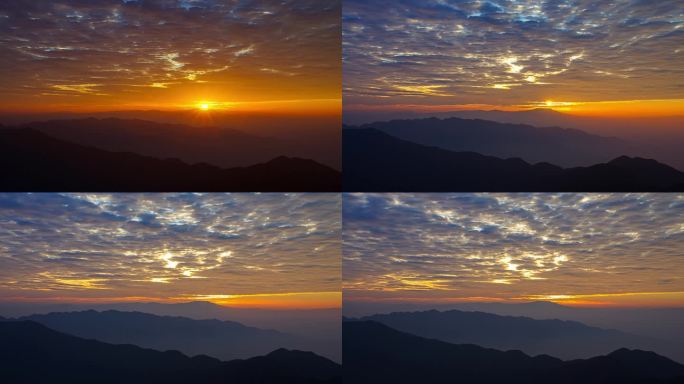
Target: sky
590,250
236,55
595,58
241,250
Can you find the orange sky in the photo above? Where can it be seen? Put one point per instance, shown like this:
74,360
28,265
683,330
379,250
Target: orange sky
612,109
605,250
239,250
295,300
73,56
607,59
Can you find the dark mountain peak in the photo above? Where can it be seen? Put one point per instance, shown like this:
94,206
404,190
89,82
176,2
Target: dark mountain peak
284,353
632,162
279,352
23,326
285,161
626,354
517,161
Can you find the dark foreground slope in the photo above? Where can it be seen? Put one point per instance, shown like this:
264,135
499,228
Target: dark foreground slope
225,340
562,339
375,353
32,353
376,161
33,161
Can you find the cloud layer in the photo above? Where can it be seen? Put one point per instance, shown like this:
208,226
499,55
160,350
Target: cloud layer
511,52
136,52
508,246
167,245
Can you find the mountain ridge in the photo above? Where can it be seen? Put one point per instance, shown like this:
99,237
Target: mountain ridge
564,339
376,353
222,339
566,147
36,162
377,162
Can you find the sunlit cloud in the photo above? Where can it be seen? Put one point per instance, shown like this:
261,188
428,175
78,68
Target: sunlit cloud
170,246
112,54
511,53
593,249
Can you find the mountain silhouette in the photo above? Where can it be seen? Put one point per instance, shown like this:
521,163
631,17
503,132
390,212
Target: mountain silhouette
660,138
559,338
34,161
33,353
266,135
224,340
560,146
376,161
222,147
317,329
376,353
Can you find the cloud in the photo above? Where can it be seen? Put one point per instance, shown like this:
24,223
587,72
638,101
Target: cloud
170,245
68,48
470,245
510,52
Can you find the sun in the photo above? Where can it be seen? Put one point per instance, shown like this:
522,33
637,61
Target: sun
203,106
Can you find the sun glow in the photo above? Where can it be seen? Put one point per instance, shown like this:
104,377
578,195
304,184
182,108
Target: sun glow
203,106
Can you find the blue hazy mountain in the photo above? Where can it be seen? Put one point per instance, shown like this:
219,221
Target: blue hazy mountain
561,146
660,138
224,340
376,353
560,338
222,147
33,353
319,329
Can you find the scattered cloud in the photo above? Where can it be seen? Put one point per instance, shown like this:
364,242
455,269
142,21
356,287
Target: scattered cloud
511,52
170,245
471,245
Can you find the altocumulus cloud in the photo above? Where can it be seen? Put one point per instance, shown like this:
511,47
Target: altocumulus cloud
511,245
52,49
505,52
167,245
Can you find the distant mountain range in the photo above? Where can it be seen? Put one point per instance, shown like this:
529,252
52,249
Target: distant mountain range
376,353
286,320
315,137
221,147
376,161
560,146
635,321
559,338
660,138
225,340
34,161
33,353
